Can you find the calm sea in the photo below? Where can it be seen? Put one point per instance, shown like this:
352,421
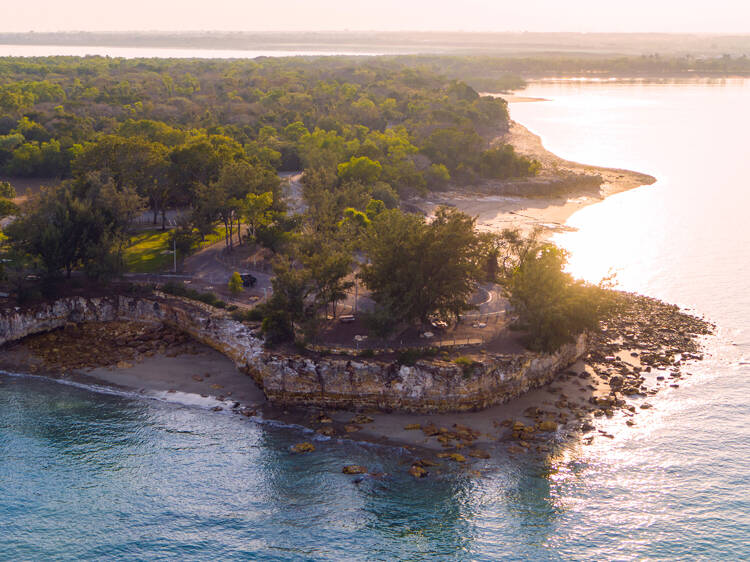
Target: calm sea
85,475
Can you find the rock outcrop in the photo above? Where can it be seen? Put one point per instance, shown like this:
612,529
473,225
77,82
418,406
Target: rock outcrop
330,382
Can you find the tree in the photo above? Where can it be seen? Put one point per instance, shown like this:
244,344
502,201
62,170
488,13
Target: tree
235,284
133,162
417,270
329,263
374,208
502,162
437,176
235,181
455,148
288,304
551,306
362,170
504,251
80,224
256,209
381,191
7,194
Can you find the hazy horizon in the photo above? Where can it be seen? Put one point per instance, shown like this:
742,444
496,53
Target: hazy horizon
637,16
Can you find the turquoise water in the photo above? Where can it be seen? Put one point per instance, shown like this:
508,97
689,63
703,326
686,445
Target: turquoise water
90,476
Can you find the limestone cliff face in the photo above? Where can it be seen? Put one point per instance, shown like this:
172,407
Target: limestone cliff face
427,386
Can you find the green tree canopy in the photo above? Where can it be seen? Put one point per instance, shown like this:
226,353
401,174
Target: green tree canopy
361,169
418,270
551,306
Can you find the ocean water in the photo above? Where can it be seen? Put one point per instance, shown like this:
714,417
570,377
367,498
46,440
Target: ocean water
91,476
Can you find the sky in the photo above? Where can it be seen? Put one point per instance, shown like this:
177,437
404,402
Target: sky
724,16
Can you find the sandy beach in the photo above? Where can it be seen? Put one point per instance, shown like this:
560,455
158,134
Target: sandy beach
504,204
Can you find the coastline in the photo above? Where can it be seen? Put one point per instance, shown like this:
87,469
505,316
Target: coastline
535,422
523,204
626,364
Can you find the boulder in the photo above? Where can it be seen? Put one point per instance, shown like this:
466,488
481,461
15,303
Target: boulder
304,447
479,454
456,457
548,425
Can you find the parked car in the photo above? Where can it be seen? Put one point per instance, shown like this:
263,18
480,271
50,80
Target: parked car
248,280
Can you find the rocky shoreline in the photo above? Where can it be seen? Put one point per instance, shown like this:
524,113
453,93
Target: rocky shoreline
643,349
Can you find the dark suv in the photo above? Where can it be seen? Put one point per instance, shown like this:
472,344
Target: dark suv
248,280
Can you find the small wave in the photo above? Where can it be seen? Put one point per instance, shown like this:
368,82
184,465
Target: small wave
179,398
190,400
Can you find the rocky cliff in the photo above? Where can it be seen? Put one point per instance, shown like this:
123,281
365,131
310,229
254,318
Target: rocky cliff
332,382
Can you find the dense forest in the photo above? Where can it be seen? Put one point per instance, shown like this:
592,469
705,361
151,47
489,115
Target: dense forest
285,113
210,136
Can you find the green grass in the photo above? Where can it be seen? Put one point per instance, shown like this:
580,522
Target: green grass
146,251
145,254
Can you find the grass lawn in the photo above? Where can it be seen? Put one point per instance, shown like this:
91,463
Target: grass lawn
145,254
147,251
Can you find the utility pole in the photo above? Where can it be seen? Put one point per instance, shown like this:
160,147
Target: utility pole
356,294
174,251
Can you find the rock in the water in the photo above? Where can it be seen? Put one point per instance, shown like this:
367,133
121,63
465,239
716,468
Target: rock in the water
304,447
417,471
456,457
548,425
411,426
354,469
479,454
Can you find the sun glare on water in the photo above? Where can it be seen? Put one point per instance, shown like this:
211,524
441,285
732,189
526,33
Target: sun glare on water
596,250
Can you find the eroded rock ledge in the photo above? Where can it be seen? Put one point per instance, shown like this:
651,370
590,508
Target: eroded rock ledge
330,382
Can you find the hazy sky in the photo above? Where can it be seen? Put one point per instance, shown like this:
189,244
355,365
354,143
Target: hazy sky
468,15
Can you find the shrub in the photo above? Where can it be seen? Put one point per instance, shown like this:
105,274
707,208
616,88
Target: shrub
411,355
252,315
465,363
180,290
235,284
